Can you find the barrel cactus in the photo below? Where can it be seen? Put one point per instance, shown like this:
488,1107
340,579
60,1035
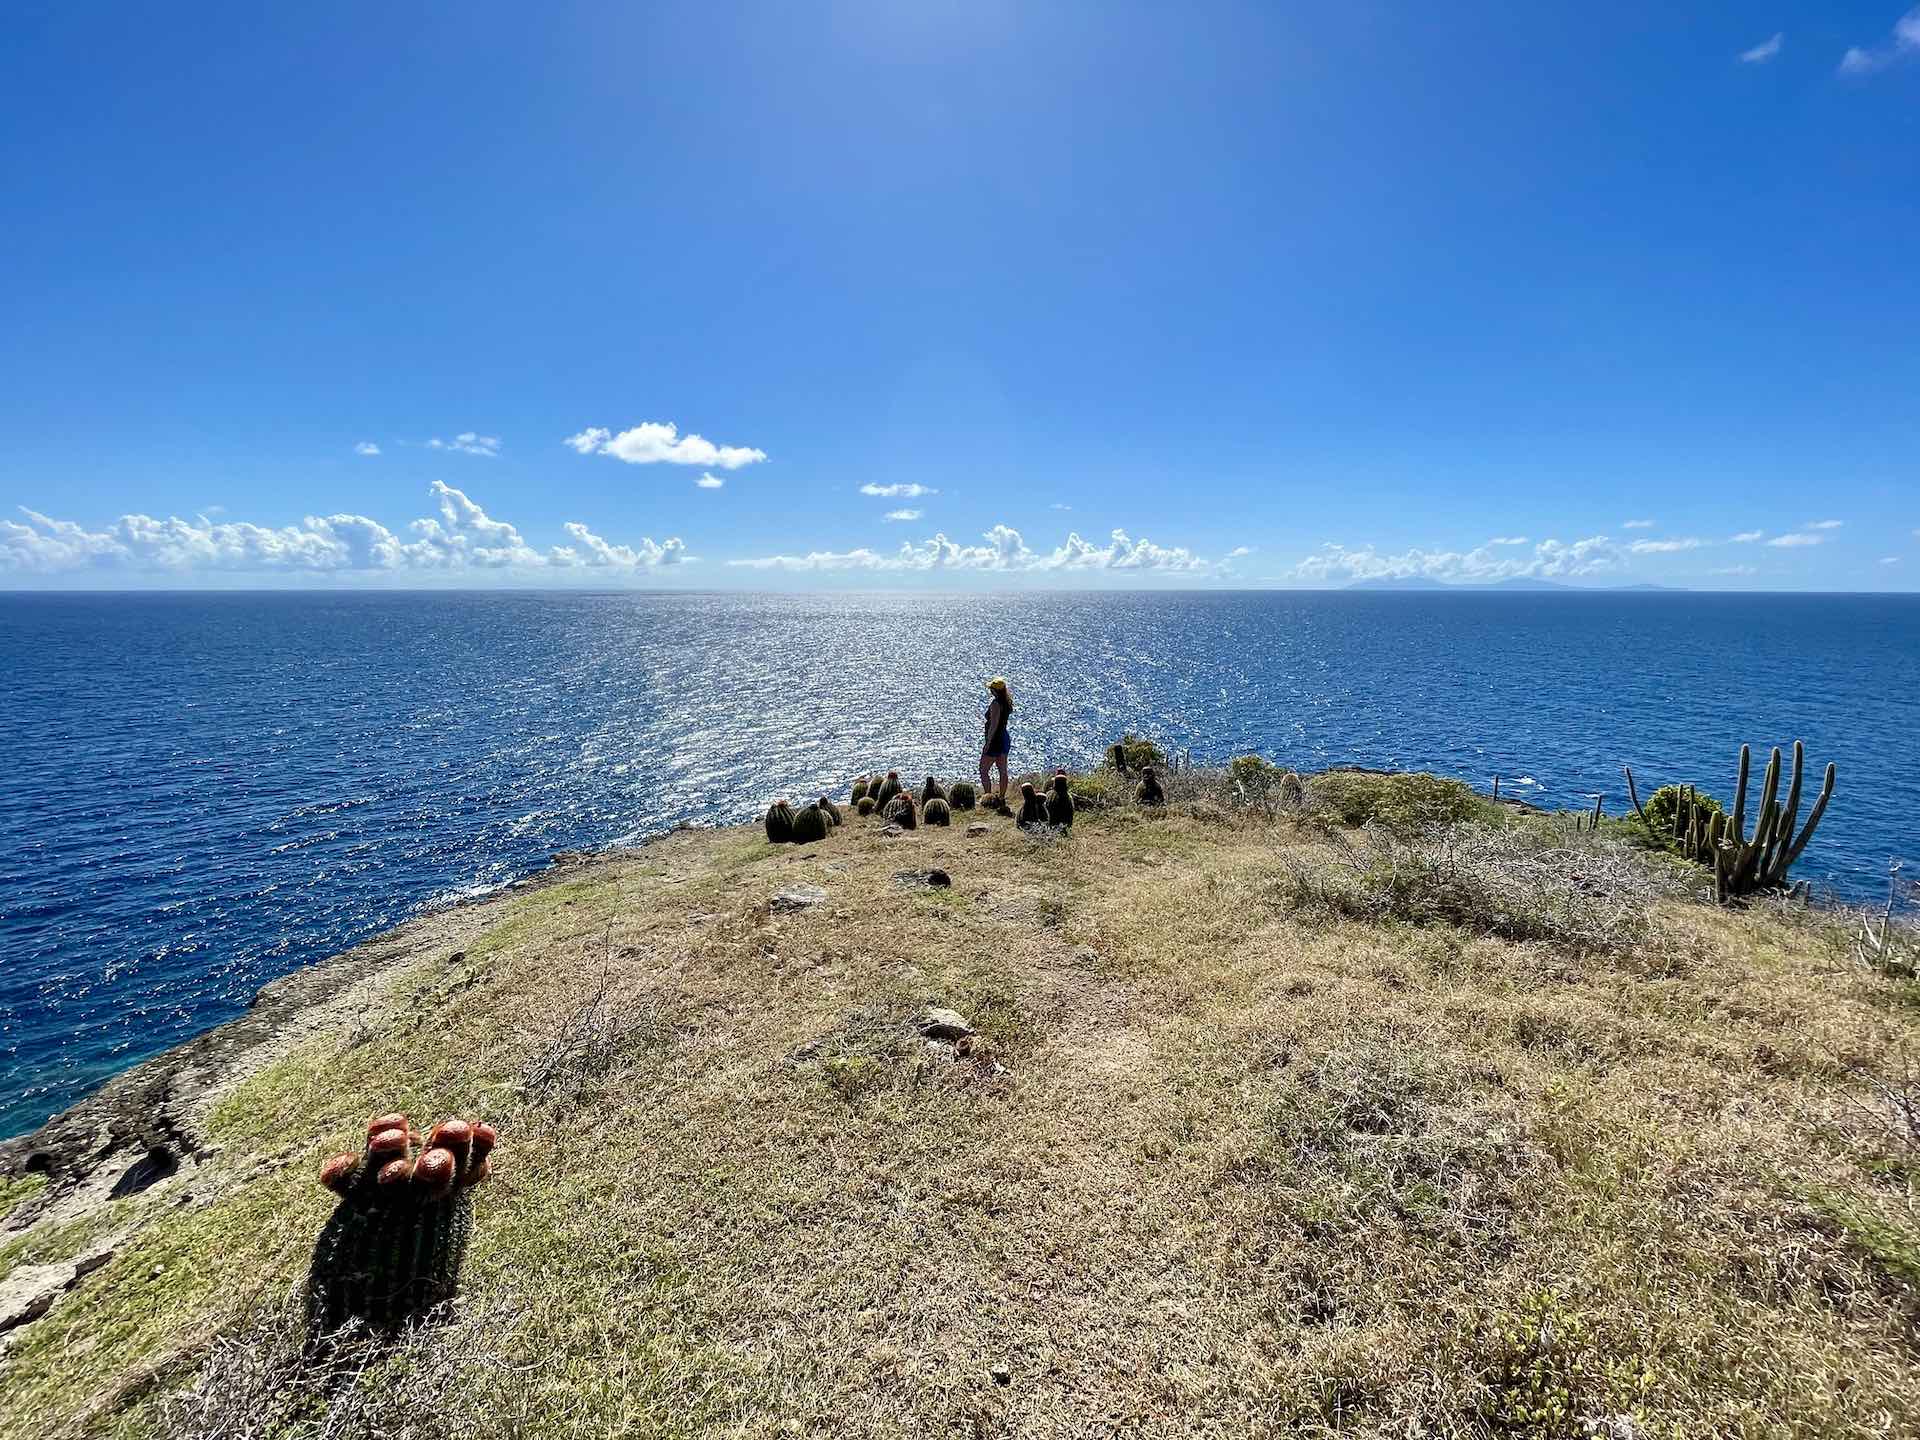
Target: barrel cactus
900,811
932,790
889,787
963,796
780,823
393,1246
937,812
834,817
1033,810
865,805
859,791
810,823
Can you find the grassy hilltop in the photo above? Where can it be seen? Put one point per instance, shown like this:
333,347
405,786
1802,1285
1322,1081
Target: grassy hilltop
1267,1124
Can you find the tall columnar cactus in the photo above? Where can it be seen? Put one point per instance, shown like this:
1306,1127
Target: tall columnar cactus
1744,865
392,1248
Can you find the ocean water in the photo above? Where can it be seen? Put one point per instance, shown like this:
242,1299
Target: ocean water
203,792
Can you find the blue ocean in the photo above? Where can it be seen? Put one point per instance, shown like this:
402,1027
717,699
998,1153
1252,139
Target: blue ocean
204,791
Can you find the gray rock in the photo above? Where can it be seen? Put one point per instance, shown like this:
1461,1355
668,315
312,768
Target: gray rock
799,897
977,828
891,831
938,1024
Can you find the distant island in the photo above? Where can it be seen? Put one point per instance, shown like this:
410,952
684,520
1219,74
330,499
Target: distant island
1421,582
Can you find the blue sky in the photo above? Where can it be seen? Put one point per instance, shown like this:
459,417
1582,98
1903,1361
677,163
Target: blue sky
1282,294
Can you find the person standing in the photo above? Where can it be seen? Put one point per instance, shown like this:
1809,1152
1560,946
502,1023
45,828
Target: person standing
999,736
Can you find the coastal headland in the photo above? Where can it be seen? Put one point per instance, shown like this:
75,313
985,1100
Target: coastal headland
1344,1104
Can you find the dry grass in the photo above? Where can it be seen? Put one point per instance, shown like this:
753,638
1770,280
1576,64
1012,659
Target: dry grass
1216,1164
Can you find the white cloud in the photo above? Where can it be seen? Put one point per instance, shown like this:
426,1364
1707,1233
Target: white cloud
366,447
1788,542
1889,559
463,537
709,482
660,442
1823,525
1905,43
1239,552
1746,537
1763,52
1508,540
468,443
1664,547
1551,559
1636,524
1058,506
898,492
902,515
1004,551
1734,570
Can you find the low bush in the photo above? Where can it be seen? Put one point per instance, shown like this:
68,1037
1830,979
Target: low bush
1137,752
1403,804
1667,809
1509,882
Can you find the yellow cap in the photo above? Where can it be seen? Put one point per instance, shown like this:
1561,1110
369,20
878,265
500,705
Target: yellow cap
999,682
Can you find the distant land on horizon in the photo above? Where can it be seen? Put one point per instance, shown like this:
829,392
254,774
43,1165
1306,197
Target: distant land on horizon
1421,582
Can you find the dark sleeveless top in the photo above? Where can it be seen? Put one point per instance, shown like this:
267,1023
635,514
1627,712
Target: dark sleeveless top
998,713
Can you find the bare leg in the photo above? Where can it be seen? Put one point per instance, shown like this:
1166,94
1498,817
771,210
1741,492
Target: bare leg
986,771
1001,762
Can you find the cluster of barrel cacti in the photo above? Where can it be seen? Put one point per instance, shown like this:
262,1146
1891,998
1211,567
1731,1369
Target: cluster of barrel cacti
1744,865
811,822
392,1248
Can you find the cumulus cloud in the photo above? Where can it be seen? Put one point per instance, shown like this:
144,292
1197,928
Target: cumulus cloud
462,537
1799,538
902,515
1636,524
1551,559
661,443
468,443
1057,505
1663,547
1764,51
898,492
1889,559
709,482
1823,525
1904,44
1004,551
1239,552
366,447
1746,537
1508,540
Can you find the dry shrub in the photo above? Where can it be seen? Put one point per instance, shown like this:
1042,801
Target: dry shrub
1513,883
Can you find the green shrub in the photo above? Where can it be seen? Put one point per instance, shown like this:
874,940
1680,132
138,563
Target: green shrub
1104,789
1137,753
1403,804
1262,785
1666,805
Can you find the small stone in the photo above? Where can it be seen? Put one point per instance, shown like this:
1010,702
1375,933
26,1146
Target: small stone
800,897
977,828
891,831
938,1024
1002,1375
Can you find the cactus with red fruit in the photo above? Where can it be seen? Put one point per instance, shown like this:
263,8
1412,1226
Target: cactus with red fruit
392,1248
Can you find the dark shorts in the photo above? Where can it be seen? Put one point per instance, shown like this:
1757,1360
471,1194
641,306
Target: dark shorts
998,750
